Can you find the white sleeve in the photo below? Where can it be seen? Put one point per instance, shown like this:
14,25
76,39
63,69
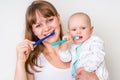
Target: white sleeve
94,56
65,56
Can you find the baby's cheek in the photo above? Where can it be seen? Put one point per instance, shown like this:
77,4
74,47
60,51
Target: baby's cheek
72,33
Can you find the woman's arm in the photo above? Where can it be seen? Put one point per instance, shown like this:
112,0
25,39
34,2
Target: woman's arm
23,50
84,75
20,73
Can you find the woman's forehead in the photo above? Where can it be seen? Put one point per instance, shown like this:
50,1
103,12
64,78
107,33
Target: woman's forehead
40,17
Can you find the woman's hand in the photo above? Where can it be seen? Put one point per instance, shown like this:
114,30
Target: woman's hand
23,50
84,75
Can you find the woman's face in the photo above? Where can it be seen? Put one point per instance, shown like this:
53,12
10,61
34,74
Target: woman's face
45,26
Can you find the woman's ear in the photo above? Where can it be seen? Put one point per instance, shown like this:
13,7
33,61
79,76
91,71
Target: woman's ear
58,16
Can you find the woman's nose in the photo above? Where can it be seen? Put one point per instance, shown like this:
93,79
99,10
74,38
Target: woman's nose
46,27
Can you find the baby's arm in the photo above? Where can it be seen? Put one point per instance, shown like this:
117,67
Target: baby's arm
65,56
94,56
64,51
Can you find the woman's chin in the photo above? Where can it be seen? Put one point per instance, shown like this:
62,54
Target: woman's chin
50,40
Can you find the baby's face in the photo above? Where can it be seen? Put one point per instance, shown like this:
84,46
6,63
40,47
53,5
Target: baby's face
79,26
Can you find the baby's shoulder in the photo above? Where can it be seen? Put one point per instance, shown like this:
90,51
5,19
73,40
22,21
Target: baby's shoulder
95,39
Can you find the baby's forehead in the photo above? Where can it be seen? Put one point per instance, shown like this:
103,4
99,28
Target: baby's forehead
79,16
78,19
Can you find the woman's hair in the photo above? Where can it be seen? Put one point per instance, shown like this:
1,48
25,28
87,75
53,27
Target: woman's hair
47,10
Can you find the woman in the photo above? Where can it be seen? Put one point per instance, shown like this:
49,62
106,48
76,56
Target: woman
41,62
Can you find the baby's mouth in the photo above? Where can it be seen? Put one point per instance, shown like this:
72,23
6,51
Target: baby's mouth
79,37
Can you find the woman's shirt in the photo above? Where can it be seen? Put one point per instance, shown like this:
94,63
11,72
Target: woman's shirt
50,72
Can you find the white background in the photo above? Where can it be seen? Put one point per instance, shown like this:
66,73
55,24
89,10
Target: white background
105,16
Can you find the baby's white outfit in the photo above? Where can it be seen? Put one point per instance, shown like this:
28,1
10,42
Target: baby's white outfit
90,56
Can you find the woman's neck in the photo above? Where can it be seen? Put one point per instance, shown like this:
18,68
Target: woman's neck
50,49
51,54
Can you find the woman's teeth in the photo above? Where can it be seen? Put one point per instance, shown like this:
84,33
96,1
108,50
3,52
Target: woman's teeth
46,34
51,33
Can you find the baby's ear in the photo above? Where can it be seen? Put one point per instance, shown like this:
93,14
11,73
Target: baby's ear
92,29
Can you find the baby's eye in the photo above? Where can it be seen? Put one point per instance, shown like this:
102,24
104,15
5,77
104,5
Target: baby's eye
83,28
73,29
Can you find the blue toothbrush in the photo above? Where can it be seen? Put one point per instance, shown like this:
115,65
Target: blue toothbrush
40,40
61,41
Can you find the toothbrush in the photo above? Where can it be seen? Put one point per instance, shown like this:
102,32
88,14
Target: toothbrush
40,40
61,41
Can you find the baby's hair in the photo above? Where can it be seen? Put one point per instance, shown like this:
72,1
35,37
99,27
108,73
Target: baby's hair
84,15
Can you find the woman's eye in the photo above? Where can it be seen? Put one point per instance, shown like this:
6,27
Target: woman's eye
38,25
49,20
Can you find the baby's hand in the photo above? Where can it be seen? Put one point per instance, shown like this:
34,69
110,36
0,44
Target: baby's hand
64,46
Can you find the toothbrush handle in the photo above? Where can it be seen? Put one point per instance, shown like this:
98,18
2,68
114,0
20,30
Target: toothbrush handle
39,41
61,41
58,42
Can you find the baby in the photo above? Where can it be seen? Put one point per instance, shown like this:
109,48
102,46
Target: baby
85,51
